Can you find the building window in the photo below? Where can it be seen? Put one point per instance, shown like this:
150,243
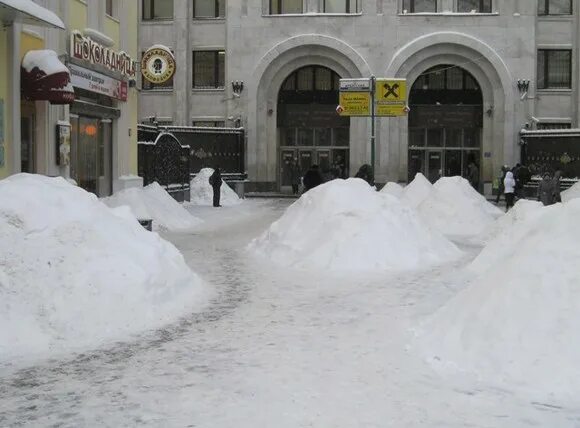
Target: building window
157,9
554,69
341,6
474,6
208,69
554,7
281,7
419,6
554,125
208,8
146,85
109,8
209,123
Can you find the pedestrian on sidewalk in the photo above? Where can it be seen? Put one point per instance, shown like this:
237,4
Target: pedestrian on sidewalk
215,181
312,178
366,173
546,190
557,194
473,175
509,184
295,175
500,179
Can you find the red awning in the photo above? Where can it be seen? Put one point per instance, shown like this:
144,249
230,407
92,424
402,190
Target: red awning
44,78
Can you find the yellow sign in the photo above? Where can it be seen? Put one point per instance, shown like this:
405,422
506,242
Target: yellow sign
391,97
354,104
158,64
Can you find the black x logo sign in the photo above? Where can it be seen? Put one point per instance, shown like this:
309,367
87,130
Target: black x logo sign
391,90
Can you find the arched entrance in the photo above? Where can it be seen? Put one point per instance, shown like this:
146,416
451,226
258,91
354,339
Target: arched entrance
445,123
308,128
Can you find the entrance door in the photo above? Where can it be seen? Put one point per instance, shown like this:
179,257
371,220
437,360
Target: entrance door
105,184
286,158
28,145
434,165
323,160
305,160
416,163
453,164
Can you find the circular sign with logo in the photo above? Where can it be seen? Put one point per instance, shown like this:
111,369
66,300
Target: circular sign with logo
158,64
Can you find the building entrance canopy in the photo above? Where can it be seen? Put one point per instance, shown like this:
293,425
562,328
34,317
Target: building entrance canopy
28,12
45,78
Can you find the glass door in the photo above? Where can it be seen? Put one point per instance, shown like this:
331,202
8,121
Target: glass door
323,161
305,160
286,158
104,162
434,165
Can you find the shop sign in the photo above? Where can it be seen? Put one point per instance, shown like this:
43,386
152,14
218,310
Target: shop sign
354,104
355,85
86,49
391,97
93,81
158,64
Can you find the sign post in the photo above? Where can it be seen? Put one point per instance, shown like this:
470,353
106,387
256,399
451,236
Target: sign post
373,90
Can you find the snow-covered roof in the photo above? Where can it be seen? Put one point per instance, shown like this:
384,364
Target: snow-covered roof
28,12
45,59
550,132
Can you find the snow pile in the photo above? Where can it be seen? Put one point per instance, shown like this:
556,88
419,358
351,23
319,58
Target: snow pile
417,191
521,212
345,225
76,273
394,189
456,209
153,202
520,318
571,193
202,192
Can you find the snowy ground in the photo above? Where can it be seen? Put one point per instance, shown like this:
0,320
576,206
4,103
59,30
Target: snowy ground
275,349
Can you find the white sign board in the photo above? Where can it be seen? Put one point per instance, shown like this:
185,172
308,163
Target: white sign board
355,85
93,81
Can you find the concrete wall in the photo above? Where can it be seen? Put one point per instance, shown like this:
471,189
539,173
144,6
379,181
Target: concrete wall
6,141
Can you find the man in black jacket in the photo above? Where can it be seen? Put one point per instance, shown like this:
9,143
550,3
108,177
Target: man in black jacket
215,181
312,178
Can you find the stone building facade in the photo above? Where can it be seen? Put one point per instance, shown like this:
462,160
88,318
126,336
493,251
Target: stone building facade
462,60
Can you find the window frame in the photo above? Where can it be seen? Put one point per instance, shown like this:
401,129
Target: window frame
411,8
348,4
546,9
480,9
110,7
279,3
216,70
545,85
152,12
217,10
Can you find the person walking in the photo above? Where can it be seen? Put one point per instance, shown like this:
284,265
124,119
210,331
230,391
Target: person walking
312,178
546,190
295,176
215,181
556,183
509,184
522,177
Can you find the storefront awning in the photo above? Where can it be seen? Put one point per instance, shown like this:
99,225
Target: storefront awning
44,78
28,12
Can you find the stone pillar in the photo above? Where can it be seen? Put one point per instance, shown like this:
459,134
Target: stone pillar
182,19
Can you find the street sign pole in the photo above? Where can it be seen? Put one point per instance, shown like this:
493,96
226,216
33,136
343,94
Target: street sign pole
373,90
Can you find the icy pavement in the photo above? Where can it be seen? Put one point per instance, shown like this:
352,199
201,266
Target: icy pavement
275,349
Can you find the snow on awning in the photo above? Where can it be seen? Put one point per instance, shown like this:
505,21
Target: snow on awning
28,12
44,77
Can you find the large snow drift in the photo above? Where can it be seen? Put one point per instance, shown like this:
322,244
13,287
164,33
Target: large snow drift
520,318
456,209
521,211
202,192
394,189
571,193
345,225
75,273
153,202
417,191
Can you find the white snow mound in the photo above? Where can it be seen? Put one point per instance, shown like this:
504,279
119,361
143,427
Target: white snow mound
153,202
394,189
519,320
75,274
201,192
571,193
417,191
519,213
456,209
345,225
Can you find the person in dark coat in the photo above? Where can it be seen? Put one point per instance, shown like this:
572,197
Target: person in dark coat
523,177
473,175
556,180
501,188
295,175
312,178
215,181
546,190
366,173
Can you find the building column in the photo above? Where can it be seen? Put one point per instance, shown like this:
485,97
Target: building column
14,93
182,18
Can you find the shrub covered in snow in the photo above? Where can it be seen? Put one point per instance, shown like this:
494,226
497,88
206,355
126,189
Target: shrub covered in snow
202,192
519,320
75,273
345,225
153,202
